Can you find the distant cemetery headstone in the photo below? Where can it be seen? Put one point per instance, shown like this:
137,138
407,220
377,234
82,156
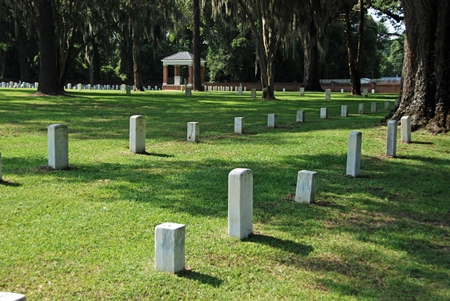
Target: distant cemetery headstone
361,108
327,94
253,93
365,92
344,111
324,113
240,90
391,139
387,105
272,120
342,90
302,91
69,86
58,146
188,92
306,187
354,154
239,125
240,203
170,247
373,107
193,132
128,90
300,116
406,129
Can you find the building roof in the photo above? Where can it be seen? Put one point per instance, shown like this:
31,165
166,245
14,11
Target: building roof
181,58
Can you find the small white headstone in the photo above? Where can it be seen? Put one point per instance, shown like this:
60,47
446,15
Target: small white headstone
272,120
361,108
342,90
391,139
128,90
137,134
193,132
373,107
302,91
188,92
306,186
373,91
284,89
344,111
253,93
324,113
300,116
354,154
69,86
58,146
240,90
327,94
240,203
365,92
239,125
405,127
170,247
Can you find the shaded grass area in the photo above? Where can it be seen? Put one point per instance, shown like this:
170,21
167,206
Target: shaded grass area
87,233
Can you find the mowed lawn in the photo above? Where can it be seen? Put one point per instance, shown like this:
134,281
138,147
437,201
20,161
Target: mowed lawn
87,233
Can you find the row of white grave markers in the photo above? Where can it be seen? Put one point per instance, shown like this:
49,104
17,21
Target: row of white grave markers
58,140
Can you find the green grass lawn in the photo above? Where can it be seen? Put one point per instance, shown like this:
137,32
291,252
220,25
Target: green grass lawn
87,233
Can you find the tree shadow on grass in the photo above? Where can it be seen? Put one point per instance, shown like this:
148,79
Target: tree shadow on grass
282,244
9,183
203,278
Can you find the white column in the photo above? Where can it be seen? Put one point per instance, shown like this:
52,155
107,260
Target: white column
406,129
354,154
306,186
239,125
58,146
137,134
391,139
170,247
193,132
272,120
300,116
240,203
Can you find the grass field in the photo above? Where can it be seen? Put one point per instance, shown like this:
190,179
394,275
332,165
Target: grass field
87,233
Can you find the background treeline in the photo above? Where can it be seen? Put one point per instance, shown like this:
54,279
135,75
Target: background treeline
105,52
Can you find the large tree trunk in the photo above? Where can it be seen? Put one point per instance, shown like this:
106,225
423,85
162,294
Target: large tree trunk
426,73
48,79
354,65
137,73
21,38
311,77
197,47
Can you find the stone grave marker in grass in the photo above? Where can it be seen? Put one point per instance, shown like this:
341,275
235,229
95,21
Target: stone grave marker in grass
193,132
239,125
137,134
170,247
391,138
306,187
58,146
240,203
354,154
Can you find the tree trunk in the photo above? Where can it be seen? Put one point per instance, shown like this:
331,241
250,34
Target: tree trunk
197,47
48,80
23,54
354,61
311,77
425,93
137,73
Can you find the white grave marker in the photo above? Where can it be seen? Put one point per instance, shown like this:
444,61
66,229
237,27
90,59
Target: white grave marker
324,113
300,116
193,132
361,108
344,111
137,134
7,296
239,125
240,203
306,186
170,247
58,146
405,128
373,107
272,120
354,154
391,139
253,93
327,94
